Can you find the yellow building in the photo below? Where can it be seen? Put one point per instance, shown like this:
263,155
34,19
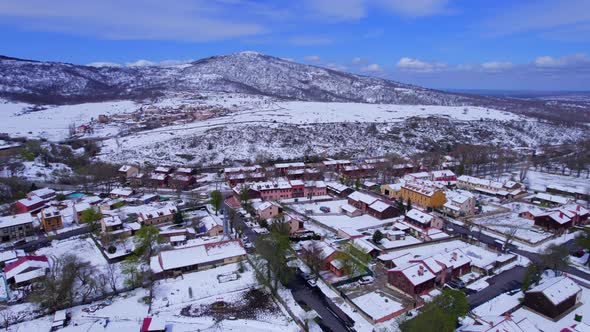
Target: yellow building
51,219
391,190
423,195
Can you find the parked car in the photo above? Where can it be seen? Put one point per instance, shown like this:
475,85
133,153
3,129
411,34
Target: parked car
308,276
366,280
312,283
578,253
456,284
324,209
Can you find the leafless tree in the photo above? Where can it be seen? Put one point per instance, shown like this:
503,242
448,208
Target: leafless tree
510,234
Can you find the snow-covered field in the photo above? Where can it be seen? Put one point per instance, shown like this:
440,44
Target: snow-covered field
538,181
52,122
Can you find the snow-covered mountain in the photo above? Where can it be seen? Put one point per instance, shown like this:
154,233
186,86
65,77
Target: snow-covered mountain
245,72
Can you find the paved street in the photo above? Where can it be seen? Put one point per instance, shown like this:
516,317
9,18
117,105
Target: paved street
501,283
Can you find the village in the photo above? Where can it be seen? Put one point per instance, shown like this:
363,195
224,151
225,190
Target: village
329,245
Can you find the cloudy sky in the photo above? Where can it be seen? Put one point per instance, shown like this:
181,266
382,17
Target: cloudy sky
463,44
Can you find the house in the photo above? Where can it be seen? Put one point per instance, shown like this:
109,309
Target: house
556,220
576,192
295,225
413,279
367,247
184,171
164,170
445,176
16,227
181,181
381,210
26,269
423,194
391,190
155,216
7,257
272,190
488,187
314,188
235,175
335,165
158,179
187,233
200,257
500,323
350,210
128,171
44,193
29,204
318,250
361,200
422,219
553,297
549,200
51,219
459,203
338,189
266,209
282,168
78,209
137,179
109,224
212,225
121,193
152,324
419,176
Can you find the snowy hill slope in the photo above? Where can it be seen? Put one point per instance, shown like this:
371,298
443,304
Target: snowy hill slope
245,72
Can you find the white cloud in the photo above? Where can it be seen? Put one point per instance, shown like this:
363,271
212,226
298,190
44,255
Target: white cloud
337,67
312,58
496,65
538,16
338,9
412,64
359,61
372,68
183,20
100,64
310,40
140,63
564,61
416,8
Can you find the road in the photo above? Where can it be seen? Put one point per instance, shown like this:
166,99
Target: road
43,240
332,317
510,279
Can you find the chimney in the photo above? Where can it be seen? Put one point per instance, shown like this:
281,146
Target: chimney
421,270
454,255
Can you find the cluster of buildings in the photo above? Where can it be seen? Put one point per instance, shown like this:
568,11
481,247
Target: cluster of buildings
180,178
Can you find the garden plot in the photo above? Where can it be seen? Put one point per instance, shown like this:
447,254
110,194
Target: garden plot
211,296
507,223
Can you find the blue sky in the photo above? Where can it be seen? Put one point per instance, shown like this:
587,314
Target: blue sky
465,44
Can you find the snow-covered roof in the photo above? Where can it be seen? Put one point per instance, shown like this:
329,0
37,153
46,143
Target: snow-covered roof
348,208
336,162
151,212
122,192
551,198
174,259
442,173
557,289
421,187
158,176
419,216
269,185
261,206
338,264
379,206
288,165
31,201
11,254
576,208
418,175
570,190
337,187
297,182
15,219
362,197
184,170
25,263
377,305
315,184
324,249
365,245
498,306
43,192
454,259
417,274
111,221
153,324
162,169
177,238
125,168
480,182
50,212
242,169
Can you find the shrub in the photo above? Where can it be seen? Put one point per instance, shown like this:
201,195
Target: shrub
112,249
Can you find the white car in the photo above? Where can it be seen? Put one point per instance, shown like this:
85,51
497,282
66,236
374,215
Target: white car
366,280
248,245
312,283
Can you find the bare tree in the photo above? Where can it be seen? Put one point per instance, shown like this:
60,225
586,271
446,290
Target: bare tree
510,234
112,277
